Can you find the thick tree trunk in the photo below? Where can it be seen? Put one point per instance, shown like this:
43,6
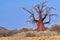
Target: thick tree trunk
41,26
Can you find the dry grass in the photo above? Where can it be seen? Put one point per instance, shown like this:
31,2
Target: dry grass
32,38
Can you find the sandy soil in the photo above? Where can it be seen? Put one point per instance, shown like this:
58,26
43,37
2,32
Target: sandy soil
32,38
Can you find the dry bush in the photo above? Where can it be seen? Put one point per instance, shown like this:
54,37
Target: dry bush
46,28
55,28
30,35
4,33
24,29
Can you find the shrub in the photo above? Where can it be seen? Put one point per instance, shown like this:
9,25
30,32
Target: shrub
35,29
30,35
55,28
46,28
24,29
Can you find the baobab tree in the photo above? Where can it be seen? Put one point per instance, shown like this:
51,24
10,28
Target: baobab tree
42,12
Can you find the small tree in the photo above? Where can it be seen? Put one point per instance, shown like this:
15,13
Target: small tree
42,12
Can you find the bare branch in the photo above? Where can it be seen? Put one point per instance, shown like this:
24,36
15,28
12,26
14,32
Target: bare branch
48,21
50,18
43,5
42,11
32,15
48,9
53,15
35,9
44,16
39,9
27,10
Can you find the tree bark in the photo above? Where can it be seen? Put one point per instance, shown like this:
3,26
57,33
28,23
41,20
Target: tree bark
40,26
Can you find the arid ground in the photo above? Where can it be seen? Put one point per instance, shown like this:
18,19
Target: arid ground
57,37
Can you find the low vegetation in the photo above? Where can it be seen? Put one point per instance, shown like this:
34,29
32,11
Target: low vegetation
55,28
4,33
